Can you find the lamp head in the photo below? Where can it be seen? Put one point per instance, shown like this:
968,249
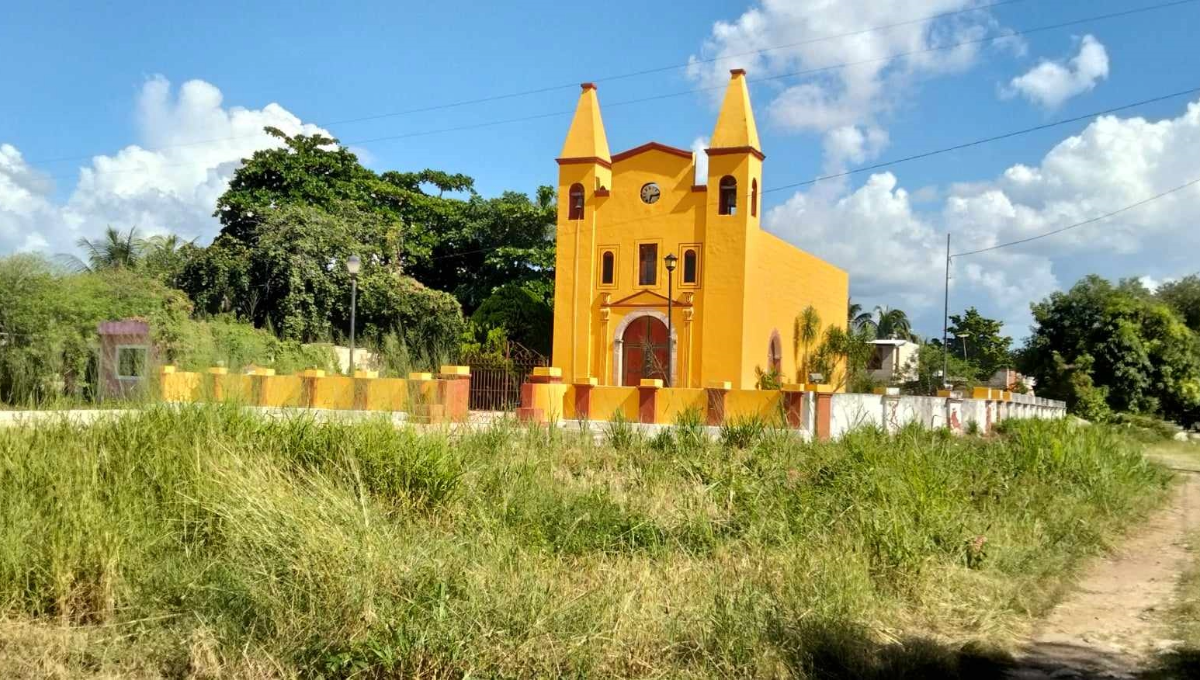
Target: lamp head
353,264
671,260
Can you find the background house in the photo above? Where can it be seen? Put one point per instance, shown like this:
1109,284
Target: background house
893,361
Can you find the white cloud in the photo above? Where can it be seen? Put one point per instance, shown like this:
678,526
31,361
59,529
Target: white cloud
853,144
25,206
838,101
700,156
1051,83
191,144
895,254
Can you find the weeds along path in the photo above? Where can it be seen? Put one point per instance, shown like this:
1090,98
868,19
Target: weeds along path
1110,625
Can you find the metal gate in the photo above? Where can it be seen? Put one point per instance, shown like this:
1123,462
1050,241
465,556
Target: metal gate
496,380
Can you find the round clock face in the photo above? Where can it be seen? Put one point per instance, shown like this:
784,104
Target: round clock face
650,193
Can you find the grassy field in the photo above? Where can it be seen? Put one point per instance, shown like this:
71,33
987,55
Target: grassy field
206,542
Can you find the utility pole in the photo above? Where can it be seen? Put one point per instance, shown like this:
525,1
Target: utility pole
946,321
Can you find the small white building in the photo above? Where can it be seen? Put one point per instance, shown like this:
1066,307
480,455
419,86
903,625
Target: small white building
893,361
1009,379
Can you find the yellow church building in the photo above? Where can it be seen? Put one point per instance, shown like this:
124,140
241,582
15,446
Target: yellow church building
634,227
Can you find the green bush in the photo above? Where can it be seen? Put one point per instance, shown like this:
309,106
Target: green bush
48,321
742,432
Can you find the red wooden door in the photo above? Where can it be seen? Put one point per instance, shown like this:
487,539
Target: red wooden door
645,350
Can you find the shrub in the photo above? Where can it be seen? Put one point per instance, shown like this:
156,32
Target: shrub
742,432
620,433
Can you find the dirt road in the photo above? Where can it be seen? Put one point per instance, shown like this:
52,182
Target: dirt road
1111,626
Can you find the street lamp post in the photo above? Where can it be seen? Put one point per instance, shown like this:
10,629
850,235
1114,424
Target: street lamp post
670,261
963,337
353,264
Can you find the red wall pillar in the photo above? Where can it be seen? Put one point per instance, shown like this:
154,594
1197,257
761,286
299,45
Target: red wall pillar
647,400
824,416
583,400
716,402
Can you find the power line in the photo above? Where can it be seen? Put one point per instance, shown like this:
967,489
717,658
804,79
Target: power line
796,74
1080,224
620,76
641,100
936,152
985,140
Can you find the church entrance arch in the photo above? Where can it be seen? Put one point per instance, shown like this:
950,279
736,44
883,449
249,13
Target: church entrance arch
645,351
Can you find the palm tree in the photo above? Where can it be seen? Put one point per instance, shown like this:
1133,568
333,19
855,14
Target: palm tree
166,243
857,318
114,251
892,323
164,257
805,329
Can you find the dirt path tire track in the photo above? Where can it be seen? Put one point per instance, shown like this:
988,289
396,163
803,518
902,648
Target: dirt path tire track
1110,625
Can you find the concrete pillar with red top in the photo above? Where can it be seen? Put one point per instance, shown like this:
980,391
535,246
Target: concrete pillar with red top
583,398
793,405
824,415
454,391
536,395
647,399
716,392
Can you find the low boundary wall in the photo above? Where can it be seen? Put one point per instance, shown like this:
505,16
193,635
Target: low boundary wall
815,409
425,397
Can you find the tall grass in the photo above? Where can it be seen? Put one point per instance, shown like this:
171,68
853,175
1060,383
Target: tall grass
366,551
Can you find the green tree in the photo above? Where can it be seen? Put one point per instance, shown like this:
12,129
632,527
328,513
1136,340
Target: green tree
962,374
293,279
1135,349
523,310
842,356
1183,296
983,346
805,329
891,323
430,224
858,317
115,250
164,256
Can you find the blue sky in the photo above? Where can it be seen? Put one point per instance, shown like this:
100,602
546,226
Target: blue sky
85,81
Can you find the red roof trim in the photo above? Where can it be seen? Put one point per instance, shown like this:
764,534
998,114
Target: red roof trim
589,160
736,149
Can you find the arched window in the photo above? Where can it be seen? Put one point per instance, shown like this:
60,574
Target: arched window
576,204
690,269
608,265
754,198
728,197
775,353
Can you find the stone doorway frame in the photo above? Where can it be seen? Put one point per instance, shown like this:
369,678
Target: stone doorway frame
619,346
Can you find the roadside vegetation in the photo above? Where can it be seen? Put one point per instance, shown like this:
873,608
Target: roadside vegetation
203,541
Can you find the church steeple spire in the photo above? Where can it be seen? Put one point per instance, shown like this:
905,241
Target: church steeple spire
735,126
586,138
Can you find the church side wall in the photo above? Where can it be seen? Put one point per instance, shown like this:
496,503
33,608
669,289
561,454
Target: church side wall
781,281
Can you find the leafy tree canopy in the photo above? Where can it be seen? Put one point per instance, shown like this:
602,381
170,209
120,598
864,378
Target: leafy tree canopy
294,279
983,345
1103,342
1183,296
523,311
465,245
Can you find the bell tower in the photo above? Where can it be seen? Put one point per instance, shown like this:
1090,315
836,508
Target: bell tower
584,178
731,208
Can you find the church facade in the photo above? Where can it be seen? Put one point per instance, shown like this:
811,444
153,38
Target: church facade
637,226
